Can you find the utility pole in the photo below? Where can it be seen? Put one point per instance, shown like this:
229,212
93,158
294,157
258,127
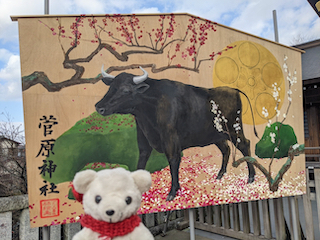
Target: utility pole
46,6
275,26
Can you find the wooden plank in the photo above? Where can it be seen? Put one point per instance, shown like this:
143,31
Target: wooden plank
276,219
179,213
235,217
160,218
266,219
279,219
256,218
201,215
290,218
209,216
295,229
217,216
308,210
186,215
150,220
38,96
245,217
313,124
173,215
295,217
317,187
226,216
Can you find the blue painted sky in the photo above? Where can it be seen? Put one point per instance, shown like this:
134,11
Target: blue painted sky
297,22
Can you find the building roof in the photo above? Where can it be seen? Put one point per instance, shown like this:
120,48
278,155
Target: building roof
5,138
306,45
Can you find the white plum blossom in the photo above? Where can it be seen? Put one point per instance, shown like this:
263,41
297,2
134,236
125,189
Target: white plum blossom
275,92
294,147
269,123
217,124
265,112
224,119
214,107
273,137
217,119
276,149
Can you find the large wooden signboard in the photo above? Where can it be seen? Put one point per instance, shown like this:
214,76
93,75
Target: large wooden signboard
218,120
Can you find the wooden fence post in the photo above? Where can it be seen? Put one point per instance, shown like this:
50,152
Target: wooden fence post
266,219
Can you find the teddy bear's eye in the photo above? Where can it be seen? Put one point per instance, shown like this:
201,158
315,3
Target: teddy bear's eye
98,198
128,200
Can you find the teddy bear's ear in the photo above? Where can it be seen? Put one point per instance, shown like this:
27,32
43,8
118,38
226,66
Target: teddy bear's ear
82,180
142,179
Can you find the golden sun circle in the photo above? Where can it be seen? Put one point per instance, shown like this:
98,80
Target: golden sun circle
254,70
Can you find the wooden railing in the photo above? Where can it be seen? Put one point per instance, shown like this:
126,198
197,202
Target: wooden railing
315,156
286,218
156,222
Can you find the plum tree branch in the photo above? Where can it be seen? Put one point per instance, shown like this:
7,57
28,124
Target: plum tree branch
273,182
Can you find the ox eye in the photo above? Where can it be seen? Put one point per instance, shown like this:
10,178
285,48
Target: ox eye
98,198
128,200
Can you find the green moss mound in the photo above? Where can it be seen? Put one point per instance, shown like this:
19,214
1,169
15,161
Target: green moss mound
97,139
268,144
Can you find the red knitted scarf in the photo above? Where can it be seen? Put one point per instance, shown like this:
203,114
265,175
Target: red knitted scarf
111,230
107,230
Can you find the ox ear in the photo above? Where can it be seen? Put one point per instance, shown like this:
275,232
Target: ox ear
107,81
141,87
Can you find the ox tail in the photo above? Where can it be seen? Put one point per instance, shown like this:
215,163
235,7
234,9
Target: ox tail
254,125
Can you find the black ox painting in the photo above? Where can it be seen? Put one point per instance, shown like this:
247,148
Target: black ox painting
214,114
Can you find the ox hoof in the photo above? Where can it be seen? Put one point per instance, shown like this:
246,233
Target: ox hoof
220,175
251,179
172,193
170,198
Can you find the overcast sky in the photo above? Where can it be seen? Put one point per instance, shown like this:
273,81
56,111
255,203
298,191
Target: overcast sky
296,21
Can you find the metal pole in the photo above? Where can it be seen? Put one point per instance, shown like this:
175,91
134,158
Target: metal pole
46,6
45,233
275,25
191,224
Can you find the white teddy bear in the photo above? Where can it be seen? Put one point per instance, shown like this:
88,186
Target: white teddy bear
111,198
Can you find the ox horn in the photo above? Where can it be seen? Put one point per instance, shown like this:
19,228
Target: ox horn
140,79
104,74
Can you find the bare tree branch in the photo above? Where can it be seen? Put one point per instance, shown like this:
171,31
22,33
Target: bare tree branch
12,165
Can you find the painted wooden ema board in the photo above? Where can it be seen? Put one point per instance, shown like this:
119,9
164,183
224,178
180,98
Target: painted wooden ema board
218,119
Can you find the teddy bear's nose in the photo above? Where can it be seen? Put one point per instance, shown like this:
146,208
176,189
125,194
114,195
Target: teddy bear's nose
110,212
